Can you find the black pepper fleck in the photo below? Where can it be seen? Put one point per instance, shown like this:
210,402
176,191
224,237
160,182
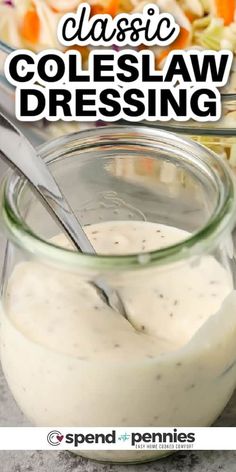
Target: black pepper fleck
171,314
178,364
116,345
158,377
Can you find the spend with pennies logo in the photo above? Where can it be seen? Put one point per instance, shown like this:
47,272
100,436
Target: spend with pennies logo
55,438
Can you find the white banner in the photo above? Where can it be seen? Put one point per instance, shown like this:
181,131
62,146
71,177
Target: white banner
168,439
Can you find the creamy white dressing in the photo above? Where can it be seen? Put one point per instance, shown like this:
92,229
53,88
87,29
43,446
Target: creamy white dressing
70,360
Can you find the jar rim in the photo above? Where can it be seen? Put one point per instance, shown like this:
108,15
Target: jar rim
200,241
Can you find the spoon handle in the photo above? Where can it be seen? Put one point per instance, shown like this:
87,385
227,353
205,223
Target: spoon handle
24,159
20,154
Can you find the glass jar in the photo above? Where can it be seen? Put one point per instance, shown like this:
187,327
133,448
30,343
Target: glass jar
160,210
218,136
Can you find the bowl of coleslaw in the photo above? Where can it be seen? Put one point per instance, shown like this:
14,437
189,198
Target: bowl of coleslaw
204,24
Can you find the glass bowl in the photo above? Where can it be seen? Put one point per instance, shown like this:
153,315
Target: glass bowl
4,50
4,85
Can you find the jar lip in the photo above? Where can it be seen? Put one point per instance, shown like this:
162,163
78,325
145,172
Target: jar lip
220,129
200,241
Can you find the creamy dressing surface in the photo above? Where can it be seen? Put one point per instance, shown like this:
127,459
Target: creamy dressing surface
70,360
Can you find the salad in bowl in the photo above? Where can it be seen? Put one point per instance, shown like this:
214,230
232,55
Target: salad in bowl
204,24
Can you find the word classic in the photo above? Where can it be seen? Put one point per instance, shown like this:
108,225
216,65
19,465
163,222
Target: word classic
150,27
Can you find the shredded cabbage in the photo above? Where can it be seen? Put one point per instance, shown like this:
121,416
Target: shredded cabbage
199,17
211,36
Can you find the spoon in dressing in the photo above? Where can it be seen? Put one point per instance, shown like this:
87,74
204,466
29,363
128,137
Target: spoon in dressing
19,153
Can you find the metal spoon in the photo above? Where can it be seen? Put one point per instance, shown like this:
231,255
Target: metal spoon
18,152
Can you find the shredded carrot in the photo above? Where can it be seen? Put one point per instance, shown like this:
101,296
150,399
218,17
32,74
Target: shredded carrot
54,10
180,43
110,9
141,47
30,27
148,165
225,9
84,51
97,9
126,6
190,15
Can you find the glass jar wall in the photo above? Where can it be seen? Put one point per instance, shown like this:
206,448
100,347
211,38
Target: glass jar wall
160,212
218,136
